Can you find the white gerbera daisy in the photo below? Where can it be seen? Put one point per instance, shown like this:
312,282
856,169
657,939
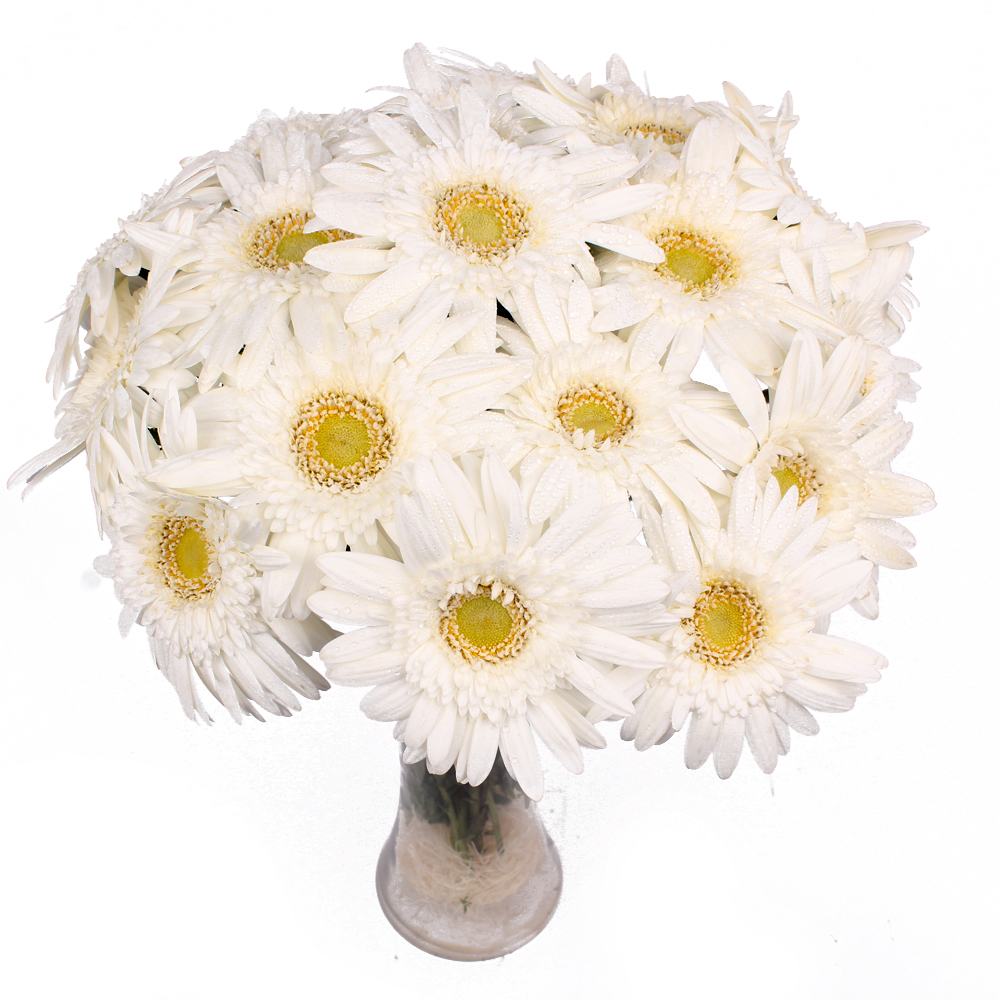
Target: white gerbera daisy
721,275
871,300
131,349
438,79
149,238
749,658
619,113
485,634
186,571
817,436
283,142
251,259
762,134
322,441
861,280
472,214
589,421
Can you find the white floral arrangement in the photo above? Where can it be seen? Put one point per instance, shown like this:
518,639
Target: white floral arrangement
412,388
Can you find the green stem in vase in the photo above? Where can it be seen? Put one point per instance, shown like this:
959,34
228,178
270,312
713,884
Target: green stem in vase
471,812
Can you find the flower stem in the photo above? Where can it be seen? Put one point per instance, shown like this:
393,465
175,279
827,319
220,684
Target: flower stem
471,812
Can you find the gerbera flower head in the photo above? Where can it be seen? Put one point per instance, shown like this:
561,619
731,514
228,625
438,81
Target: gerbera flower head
618,113
818,435
749,658
592,420
131,353
185,570
465,211
486,632
720,274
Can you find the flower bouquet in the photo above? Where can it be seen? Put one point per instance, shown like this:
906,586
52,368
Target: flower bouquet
419,389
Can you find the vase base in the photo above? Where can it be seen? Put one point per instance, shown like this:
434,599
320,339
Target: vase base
473,933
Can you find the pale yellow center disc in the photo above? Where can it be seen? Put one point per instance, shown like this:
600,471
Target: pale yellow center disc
191,554
480,225
689,265
343,440
483,622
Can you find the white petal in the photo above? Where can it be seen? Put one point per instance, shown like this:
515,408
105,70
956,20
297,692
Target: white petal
358,644
615,648
598,688
623,201
376,578
391,701
890,234
348,609
400,280
423,717
517,743
421,538
353,213
441,747
747,395
482,750
376,668
393,135
629,242
729,746
762,738
552,487
212,472
342,258
549,109
702,735
555,733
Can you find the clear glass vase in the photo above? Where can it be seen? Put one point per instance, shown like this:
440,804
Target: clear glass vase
468,872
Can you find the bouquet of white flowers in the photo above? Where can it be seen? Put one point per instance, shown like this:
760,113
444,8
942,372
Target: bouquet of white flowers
413,388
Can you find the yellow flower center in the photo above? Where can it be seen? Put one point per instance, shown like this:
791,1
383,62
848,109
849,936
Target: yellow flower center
727,625
480,225
483,621
191,554
481,627
272,244
594,408
483,221
184,557
794,470
699,262
342,439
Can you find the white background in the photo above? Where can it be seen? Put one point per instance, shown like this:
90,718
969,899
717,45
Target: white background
146,857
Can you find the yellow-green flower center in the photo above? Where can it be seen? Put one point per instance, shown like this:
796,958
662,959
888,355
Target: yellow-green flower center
727,625
342,439
482,220
191,554
690,265
794,470
292,247
273,244
594,408
480,225
698,261
483,622
487,626
722,625
184,557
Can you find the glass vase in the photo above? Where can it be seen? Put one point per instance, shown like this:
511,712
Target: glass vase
468,872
